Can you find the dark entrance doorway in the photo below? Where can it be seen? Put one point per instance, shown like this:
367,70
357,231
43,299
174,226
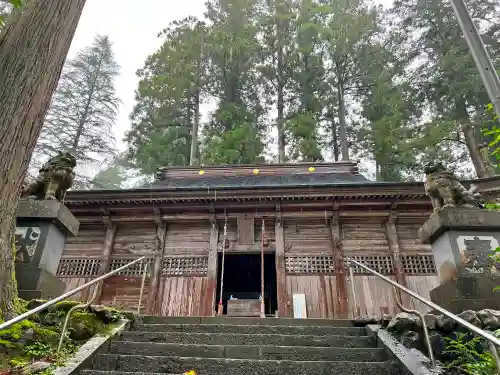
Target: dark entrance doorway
242,279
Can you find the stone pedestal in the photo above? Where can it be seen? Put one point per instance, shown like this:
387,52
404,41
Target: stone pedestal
41,232
461,241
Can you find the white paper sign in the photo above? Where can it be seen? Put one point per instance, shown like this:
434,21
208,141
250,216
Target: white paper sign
299,306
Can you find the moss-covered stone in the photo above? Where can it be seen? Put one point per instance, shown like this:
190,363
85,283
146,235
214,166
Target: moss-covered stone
36,339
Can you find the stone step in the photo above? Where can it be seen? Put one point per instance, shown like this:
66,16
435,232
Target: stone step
220,366
295,353
148,319
249,339
254,329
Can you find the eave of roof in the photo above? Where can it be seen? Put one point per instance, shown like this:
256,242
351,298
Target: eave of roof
365,189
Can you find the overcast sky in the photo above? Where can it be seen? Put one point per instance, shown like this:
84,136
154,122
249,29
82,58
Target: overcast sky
133,27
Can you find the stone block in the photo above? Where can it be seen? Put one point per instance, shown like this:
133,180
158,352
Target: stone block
467,293
461,241
35,282
41,232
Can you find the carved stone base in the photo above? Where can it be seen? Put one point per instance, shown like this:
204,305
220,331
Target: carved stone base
34,282
468,293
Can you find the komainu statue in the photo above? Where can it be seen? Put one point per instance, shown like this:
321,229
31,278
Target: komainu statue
54,178
445,190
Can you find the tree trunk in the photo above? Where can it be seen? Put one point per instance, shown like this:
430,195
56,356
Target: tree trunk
193,157
281,125
344,147
33,47
335,140
281,100
470,139
474,150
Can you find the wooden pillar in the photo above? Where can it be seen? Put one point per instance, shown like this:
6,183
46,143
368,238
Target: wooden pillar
153,302
107,249
212,269
284,300
340,270
392,238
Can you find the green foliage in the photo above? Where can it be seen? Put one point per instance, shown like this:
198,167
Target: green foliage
171,88
37,350
448,84
491,130
31,340
469,355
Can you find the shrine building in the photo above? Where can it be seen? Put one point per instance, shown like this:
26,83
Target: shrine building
306,218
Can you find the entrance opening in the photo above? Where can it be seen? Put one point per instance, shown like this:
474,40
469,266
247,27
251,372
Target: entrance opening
242,279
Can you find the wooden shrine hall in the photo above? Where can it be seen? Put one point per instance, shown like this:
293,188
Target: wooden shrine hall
305,218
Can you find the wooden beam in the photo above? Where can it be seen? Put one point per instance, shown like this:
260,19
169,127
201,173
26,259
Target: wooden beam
284,300
417,216
153,303
338,256
392,238
107,250
212,269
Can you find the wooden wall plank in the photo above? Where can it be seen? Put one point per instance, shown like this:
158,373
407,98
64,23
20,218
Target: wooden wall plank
133,241
372,295
124,292
188,238
320,292
183,296
422,285
364,238
88,243
307,236
408,238
75,282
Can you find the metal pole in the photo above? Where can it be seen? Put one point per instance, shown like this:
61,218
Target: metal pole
479,53
64,296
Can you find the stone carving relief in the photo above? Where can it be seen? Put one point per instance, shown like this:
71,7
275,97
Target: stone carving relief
26,242
474,254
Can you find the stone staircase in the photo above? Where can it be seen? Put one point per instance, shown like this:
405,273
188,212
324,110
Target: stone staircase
244,346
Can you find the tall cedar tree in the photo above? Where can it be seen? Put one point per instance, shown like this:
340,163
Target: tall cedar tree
308,78
390,111
84,108
447,78
235,134
33,47
166,117
349,33
278,28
